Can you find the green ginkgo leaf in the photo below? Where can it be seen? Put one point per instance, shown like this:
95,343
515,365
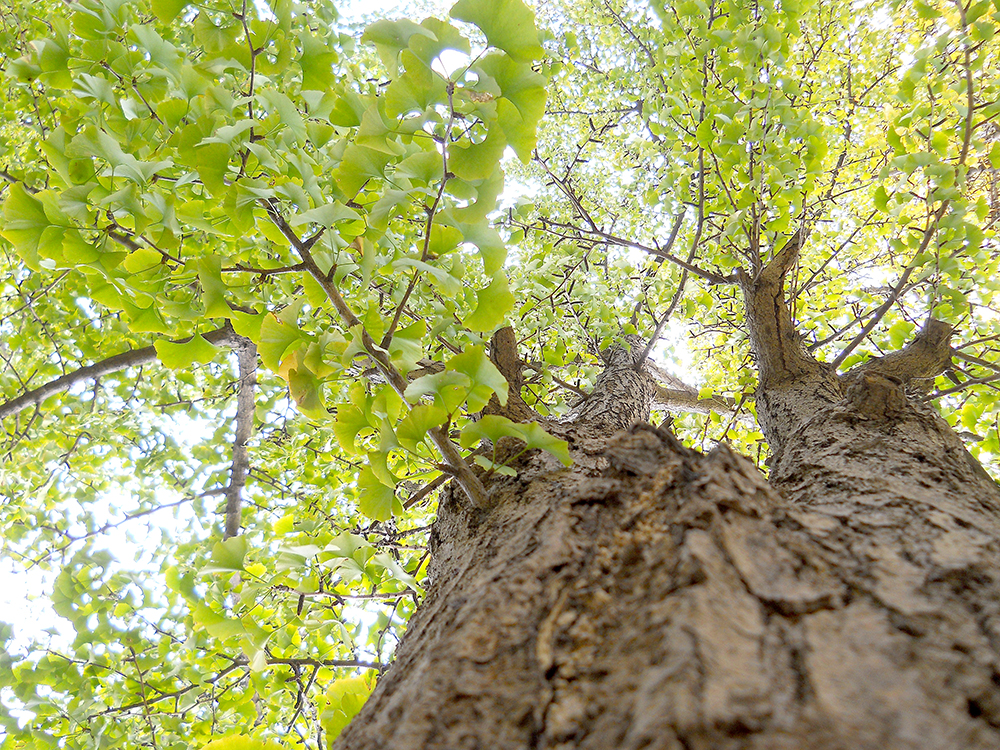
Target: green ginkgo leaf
415,426
494,302
376,500
227,556
179,356
484,378
168,10
508,25
275,340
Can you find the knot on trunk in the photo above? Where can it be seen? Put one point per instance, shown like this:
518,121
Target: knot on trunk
874,395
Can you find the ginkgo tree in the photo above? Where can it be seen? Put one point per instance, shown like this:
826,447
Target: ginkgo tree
221,187
330,323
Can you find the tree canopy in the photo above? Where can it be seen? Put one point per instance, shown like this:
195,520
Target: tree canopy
253,258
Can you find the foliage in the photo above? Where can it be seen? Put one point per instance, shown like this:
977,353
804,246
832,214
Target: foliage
239,742
869,125
179,169
200,177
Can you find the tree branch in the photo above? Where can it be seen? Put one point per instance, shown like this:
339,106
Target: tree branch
132,358
429,224
926,357
503,353
679,401
882,309
680,286
466,478
937,215
246,355
567,190
776,345
963,386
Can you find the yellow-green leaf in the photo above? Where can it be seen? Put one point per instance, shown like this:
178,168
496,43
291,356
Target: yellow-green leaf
494,302
508,25
178,356
168,10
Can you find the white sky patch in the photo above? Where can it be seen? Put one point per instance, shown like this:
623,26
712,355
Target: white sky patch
24,604
450,62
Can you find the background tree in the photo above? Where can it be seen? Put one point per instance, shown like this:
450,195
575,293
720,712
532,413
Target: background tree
193,188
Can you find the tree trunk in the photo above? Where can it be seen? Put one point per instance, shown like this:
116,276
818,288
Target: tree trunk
654,597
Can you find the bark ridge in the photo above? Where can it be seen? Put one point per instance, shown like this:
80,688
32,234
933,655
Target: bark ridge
653,597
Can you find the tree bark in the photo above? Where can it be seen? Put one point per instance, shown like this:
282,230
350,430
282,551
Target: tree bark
653,597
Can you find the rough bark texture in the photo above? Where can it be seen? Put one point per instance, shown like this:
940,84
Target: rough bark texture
246,357
792,386
621,395
503,353
652,597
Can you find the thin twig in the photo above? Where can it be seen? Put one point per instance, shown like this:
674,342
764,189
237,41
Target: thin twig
680,286
468,480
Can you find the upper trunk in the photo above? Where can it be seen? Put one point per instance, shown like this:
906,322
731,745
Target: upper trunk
653,597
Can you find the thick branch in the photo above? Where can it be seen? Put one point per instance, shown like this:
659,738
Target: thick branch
503,353
926,357
622,393
246,355
777,347
678,401
132,358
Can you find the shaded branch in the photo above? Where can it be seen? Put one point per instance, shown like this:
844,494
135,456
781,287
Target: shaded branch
503,353
924,358
132,358
676,400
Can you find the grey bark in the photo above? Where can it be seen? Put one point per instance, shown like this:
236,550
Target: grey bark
622,393
246,357
653,597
